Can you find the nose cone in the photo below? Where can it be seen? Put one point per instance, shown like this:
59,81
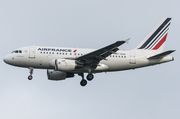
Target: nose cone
6,59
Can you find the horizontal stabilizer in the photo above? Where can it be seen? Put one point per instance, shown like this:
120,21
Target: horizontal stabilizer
161,55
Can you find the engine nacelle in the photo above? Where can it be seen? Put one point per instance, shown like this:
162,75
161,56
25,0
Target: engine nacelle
65,64
58,75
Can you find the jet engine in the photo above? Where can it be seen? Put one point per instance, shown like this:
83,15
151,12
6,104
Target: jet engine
65,65
58,75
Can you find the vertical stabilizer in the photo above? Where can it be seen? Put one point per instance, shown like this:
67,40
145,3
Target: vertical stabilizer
157,37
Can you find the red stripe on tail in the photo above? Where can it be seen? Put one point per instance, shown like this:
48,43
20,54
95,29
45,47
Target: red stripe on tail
160,43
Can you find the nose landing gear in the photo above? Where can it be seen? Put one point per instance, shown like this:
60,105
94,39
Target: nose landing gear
31,72
30,77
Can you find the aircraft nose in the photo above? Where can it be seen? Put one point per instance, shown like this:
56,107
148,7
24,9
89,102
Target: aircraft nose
6,59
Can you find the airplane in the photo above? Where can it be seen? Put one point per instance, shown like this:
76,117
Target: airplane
62,63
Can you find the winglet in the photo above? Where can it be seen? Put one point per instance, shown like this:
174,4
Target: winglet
127,40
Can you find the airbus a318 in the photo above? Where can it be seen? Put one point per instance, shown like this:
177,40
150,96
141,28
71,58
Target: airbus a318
62,63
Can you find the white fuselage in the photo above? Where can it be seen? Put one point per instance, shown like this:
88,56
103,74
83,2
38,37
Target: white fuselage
43,57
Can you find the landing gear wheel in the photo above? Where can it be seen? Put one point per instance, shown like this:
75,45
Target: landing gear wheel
83,82
30,77
90,77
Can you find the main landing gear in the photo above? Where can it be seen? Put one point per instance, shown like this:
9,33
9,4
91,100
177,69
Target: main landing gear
89,77
31,72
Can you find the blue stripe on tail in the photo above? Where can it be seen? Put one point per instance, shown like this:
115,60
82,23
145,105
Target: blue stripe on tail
158,36
155,33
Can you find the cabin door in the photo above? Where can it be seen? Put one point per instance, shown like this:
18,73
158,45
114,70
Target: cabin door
31,52
132,58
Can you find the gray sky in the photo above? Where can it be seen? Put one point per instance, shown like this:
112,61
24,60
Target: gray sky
146,93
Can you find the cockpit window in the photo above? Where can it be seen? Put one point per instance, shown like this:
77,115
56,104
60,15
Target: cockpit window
17,51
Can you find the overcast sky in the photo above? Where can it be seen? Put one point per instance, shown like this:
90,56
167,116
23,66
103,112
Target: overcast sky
146,93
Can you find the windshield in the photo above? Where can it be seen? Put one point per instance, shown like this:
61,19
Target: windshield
17,51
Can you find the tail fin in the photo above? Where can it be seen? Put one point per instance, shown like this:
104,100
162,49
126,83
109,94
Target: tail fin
156,39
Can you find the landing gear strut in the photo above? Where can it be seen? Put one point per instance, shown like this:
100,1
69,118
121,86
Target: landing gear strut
31,72
83,81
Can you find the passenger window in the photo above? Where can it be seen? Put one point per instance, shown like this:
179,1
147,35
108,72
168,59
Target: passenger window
52,52
20,51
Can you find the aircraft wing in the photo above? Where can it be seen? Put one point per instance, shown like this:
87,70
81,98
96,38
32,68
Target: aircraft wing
100,54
